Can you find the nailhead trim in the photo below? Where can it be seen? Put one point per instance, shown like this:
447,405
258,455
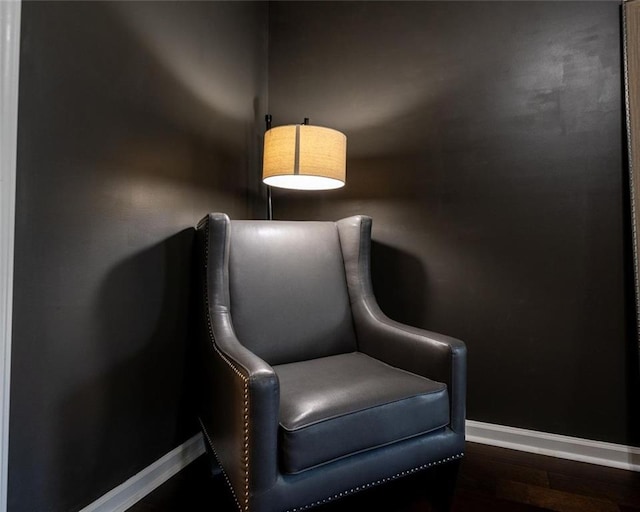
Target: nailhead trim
245,381
377,482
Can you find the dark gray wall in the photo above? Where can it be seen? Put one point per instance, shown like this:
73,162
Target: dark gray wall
135,119
484,138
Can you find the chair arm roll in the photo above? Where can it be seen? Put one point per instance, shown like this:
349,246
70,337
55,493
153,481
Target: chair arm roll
256,425
429,354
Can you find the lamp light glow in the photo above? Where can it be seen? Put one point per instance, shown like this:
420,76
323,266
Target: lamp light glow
304,157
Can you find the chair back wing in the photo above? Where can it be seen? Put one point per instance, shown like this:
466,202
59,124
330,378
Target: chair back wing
288,290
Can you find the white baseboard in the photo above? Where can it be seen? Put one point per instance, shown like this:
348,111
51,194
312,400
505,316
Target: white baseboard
583,450
565,447
138,486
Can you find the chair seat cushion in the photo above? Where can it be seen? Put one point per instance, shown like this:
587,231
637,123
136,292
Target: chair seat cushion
336,406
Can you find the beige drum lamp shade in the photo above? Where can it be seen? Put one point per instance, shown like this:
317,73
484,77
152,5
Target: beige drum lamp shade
304,157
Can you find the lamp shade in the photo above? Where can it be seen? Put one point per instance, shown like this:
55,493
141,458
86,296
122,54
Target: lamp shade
304,157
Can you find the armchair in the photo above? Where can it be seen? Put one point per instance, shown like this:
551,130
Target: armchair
308,391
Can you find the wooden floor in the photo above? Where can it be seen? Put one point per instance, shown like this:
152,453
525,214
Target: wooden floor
490,479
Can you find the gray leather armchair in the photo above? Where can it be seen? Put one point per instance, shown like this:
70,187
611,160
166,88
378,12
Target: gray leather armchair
309,392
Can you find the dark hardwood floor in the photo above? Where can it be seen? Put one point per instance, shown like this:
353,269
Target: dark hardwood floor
490,479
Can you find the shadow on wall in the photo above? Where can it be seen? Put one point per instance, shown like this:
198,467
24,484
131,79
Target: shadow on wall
119,152
144,307
395,272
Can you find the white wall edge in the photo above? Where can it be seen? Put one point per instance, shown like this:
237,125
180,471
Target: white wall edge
138,486
9,73
564,447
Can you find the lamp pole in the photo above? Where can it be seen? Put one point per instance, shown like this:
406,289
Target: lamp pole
267,121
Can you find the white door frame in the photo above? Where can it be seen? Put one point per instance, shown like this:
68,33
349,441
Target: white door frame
9,69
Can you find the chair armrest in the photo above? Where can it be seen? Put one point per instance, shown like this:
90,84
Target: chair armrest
246,397
435,356
425,353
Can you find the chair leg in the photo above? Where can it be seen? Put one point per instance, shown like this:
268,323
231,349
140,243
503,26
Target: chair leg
214,468
443,486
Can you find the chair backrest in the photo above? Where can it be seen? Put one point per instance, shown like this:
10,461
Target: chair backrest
288,291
